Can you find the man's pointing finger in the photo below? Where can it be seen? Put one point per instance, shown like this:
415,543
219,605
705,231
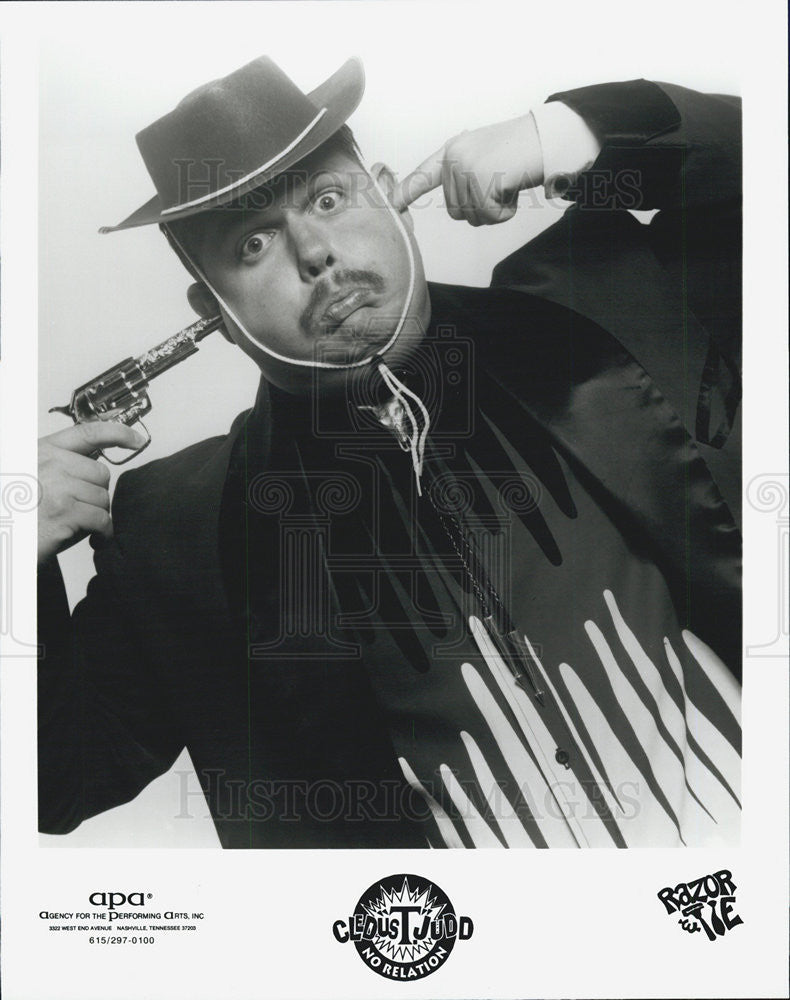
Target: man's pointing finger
85,439
425,178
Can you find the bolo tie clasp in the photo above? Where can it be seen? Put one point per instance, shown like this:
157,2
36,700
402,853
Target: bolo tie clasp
516,655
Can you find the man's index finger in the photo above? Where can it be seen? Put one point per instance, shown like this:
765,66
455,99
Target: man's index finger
424,178
86,438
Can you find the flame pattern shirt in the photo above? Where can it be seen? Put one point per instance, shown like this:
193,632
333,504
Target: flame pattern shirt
635,739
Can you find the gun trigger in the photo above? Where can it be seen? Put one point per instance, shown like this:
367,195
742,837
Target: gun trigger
136,452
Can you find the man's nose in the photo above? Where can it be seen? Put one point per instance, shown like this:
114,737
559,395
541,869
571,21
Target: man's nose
312,248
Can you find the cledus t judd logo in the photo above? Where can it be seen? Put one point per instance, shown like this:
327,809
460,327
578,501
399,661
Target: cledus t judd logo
403,927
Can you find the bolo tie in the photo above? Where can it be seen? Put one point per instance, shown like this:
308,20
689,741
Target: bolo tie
407,418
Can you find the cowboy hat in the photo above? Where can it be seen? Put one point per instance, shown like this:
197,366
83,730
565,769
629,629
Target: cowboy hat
234,134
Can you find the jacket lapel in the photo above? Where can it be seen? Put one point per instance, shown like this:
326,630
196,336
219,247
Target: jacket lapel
191,534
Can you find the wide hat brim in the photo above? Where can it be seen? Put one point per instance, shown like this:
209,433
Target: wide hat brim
339,95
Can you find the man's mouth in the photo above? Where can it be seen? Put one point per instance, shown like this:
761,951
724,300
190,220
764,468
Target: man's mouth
342,308
333,319
345,310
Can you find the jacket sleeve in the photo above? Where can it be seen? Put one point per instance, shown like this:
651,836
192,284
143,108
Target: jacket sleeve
669,291
104,729
662,146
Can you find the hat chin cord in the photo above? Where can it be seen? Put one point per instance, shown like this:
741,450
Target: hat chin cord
397,415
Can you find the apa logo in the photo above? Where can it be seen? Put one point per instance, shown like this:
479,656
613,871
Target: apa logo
404,927
112,899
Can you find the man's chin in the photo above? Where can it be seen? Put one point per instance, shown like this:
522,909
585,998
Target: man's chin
357,350
358,337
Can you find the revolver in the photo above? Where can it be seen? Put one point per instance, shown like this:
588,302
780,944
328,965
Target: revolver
121,393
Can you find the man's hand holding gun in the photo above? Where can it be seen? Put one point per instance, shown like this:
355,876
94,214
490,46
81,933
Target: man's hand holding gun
74,484
75,501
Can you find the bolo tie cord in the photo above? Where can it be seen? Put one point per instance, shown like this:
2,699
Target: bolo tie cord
411,427
411,438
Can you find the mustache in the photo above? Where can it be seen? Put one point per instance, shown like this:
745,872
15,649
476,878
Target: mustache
325,292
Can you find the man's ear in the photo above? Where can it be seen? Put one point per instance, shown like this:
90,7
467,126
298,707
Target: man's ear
205,305
387,181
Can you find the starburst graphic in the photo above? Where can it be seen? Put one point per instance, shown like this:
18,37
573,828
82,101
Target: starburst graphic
393,948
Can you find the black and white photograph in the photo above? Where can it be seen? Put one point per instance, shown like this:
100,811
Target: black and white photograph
467,572
393,467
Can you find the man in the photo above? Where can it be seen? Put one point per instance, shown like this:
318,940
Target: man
467,574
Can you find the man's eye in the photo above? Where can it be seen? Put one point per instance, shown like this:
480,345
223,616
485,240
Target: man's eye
253,245
327,201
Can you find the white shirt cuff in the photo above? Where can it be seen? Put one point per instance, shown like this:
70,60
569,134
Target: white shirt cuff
568,146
